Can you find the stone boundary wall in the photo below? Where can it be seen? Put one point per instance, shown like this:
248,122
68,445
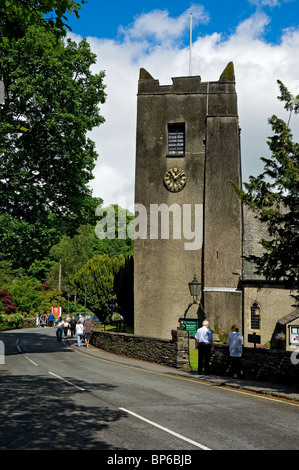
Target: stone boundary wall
258,364
268,365
171,353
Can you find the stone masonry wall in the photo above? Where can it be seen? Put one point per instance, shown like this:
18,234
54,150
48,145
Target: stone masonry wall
268,365
258,364
172,353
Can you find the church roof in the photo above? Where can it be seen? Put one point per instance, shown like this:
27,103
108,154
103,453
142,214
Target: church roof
289,318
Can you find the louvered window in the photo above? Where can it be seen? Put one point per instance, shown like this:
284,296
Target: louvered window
176,139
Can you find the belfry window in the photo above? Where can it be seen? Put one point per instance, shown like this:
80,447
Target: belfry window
176,139
255,316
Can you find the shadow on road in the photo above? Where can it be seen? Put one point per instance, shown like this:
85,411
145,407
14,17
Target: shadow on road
38,413
31,341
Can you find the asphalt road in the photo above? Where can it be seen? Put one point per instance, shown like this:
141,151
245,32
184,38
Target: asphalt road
54,397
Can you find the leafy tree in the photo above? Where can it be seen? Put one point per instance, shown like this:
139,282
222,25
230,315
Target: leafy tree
51,92
7,273
113,232
17,15
22,242
274,197
46,158
27,294
72,253
73,307
96,280
7,304
40,269
49,299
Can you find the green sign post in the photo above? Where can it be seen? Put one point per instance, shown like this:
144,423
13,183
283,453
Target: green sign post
189,324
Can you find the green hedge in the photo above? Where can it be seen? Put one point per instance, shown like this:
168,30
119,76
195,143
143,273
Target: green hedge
10,322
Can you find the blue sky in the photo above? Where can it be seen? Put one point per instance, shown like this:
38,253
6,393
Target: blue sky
261,37
104,19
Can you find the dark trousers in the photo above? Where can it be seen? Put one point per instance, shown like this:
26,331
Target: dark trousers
236,366
59,334
204,352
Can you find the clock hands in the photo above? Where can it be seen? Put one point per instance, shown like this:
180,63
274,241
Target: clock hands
175,179
176,175
179,174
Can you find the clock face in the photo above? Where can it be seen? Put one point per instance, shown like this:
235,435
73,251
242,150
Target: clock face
175,179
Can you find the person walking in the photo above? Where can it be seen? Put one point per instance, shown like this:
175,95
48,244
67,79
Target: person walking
73,327
66,327
51,319
79,333
204,343
59,328
235,342
87,331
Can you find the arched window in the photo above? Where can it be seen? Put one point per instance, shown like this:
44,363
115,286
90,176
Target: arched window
255,316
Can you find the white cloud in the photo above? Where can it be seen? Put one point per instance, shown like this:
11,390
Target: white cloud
161,27
253,27
266,3
257,67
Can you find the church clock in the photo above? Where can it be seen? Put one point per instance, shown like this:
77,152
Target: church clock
175,179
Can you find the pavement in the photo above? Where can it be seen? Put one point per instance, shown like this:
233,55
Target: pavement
281,391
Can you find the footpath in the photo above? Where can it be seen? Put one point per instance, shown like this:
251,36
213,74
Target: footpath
268,389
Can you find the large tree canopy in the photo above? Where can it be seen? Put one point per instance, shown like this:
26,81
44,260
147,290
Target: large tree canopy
95,281
51,101
17,15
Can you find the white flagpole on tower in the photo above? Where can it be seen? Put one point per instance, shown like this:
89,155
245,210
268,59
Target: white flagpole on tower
190,49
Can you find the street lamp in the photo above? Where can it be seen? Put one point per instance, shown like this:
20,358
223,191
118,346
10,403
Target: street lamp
195,289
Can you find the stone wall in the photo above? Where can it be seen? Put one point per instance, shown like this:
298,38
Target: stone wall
172,353
267,365
258,364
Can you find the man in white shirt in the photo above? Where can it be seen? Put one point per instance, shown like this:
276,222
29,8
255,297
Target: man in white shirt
204,344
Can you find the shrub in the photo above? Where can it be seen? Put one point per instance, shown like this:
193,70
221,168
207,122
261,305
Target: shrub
10,322
7,303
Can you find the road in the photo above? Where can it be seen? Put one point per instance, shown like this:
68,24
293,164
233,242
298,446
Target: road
57,397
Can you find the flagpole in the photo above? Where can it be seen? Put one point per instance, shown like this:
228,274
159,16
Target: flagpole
190,49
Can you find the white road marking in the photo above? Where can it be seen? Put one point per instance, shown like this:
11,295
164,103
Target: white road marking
32,362
70,383
201,446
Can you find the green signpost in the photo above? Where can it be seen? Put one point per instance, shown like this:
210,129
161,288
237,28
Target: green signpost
189,324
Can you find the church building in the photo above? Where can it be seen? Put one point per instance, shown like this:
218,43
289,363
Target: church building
189,220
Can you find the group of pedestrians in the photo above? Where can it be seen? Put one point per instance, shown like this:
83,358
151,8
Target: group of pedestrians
43,320
83,331
205,344
80,329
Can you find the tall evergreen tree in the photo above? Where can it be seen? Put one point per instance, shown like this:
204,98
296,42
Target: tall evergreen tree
274,197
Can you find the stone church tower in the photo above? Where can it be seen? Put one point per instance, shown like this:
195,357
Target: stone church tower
188,217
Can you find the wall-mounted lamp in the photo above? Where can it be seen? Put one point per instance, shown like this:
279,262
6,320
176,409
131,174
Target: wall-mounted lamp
195,289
